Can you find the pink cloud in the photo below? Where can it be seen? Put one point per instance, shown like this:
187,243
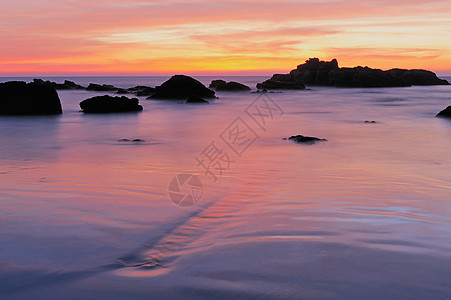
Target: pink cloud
74,33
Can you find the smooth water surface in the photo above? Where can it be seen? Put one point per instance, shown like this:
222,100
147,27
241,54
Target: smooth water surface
364,215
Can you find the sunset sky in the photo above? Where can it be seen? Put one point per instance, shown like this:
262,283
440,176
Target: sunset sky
75,37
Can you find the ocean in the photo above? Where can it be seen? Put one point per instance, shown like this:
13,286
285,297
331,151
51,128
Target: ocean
88,213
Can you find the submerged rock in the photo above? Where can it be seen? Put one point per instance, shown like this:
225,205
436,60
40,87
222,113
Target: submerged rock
182,87
231,86
109,104
446,113
21,98
134,140
301,139
195,99
328,73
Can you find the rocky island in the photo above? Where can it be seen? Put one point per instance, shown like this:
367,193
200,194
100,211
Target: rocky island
328,73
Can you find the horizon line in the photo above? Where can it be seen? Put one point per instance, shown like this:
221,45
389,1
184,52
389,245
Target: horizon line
189,73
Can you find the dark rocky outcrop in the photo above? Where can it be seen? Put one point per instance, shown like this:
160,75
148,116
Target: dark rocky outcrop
301,139
272,84
70,85
364,77
195,99
231,86
67,85
142,90
182,87
316,72
109,104
122,91
21,98
417,77
214,83
446,113
101,88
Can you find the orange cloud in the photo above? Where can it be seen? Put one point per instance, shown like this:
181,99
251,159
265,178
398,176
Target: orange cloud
141,36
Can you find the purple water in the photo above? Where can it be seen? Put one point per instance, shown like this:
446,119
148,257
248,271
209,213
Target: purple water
364,215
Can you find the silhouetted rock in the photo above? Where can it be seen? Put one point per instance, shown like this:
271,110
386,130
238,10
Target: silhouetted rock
364,77
371,122
316,72
20,98
182,87
70,85
135,140
417,77
122,91
195,99
109,104
446,113
301,139
142,90
272,84
101,88
232,86
67,85
214,84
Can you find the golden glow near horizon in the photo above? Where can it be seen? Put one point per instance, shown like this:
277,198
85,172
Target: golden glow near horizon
152,37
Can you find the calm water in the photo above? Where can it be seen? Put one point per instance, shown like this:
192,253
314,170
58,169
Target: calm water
365,215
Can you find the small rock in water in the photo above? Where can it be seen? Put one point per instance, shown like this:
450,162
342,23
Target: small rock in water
101,88
231,86
301,139
127,140
446,113
214,84
109,104
180,87
372,122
